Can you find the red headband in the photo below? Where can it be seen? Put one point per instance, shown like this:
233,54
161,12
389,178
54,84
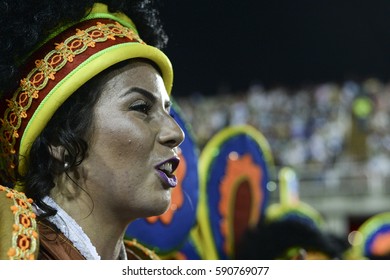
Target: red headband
56,70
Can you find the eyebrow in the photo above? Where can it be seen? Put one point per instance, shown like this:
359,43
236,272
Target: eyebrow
141,91
147,94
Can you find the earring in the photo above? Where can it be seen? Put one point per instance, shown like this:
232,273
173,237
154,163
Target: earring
66,165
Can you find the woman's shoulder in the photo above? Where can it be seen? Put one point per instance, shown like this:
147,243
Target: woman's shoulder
19,239
18,226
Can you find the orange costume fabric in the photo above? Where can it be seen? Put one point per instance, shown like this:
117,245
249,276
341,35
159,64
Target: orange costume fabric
24,237
55,246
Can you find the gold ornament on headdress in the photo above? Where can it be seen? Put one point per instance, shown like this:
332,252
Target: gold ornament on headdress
57,69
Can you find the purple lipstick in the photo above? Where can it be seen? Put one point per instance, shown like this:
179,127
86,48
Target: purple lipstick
165,171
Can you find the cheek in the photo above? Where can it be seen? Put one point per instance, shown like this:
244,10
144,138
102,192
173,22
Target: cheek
121,144
127,152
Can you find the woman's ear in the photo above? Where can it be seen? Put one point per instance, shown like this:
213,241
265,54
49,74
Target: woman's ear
61,155
57,152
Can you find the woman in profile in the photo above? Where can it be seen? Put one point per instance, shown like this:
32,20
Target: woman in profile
87,140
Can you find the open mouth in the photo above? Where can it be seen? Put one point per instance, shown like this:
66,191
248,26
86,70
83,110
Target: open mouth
166,171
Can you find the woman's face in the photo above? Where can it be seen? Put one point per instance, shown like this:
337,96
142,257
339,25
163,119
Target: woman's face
132,147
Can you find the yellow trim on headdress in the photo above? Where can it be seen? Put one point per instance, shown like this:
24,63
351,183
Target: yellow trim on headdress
124,44
101,10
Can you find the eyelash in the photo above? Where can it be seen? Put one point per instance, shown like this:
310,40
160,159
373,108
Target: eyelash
142,107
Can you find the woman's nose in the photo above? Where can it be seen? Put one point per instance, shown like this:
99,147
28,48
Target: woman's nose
171,133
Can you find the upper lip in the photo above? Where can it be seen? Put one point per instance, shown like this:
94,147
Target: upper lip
169,166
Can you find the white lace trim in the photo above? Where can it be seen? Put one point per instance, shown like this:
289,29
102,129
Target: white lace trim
69,227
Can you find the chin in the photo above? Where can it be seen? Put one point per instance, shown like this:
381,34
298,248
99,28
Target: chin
158,208
164,208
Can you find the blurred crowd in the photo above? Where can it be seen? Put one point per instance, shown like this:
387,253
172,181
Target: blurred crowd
324,125
315,124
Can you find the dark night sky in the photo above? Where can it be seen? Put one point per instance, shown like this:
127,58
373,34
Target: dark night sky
225,42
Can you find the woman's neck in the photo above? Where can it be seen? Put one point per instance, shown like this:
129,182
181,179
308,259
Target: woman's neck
104,230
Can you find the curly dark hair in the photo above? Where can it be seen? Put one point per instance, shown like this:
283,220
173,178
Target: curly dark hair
25,23
68,128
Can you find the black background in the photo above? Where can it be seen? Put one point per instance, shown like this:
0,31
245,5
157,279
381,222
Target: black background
214,43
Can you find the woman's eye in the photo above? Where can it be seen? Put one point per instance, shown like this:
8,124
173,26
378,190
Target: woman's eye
141,106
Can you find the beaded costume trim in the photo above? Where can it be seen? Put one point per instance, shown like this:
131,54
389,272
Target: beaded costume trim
24,242
37,83
140,250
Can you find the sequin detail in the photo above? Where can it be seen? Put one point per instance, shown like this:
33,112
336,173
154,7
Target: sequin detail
24,243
